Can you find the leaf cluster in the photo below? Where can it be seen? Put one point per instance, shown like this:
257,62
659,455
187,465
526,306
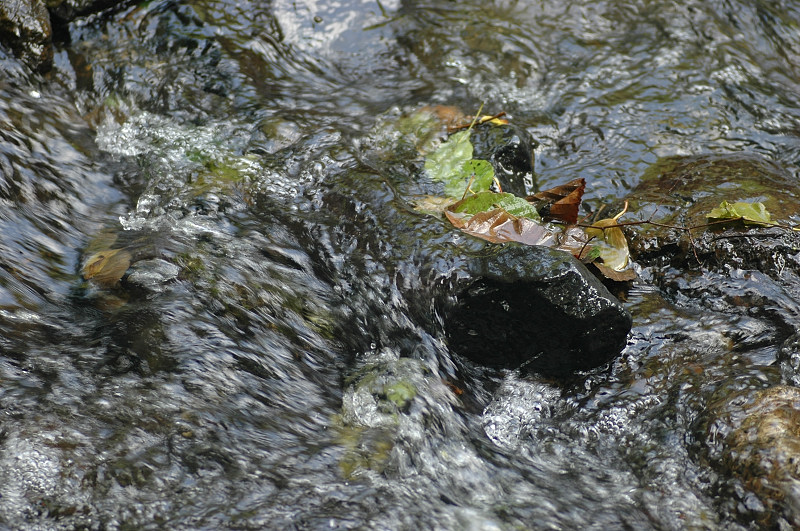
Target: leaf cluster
501,217
473,207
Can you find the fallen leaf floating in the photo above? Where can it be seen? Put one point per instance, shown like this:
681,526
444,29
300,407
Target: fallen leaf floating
747,213
561,202
446,161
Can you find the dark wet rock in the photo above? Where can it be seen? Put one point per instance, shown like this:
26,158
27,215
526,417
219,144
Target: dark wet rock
533,306
501,305
151,275
25,28
755,437
66,10
789,359
746,270
510,150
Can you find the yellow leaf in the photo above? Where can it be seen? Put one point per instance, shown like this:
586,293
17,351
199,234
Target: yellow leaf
492,120
610,242
107,267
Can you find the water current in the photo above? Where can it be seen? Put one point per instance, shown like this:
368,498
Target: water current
263,369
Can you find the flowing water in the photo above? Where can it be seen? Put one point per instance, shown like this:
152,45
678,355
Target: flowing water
262,367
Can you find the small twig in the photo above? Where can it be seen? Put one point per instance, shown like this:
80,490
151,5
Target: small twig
622,213
694,247
583,248
475,121
688,230
469,186
594,215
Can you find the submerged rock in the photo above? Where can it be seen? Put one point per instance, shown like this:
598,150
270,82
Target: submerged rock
501,305
681,191
26,26
760,447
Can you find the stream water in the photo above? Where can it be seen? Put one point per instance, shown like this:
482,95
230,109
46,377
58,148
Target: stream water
236,150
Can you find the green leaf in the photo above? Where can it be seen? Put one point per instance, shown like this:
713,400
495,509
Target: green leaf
483,172
476,174
486,201
448,158
401,393
749,213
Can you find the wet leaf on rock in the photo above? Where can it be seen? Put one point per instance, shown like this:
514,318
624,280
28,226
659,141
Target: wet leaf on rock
499,226
485,201
748,213
609,249
610,242
478,174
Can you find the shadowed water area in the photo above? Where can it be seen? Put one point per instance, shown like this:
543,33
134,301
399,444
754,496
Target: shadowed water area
262,365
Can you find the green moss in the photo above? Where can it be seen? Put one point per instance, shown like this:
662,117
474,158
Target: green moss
365,449
400,393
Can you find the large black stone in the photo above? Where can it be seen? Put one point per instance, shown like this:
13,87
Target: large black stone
534,306
510,150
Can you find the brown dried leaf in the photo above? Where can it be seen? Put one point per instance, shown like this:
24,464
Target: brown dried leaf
561,202
617,276
448,115
499,226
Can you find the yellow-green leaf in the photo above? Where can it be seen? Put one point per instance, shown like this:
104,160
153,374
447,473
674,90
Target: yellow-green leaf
445,163
433,205
749,213
610,243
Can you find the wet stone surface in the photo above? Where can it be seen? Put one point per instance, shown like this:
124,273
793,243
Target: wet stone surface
537,308
727,267
755,436
25,27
